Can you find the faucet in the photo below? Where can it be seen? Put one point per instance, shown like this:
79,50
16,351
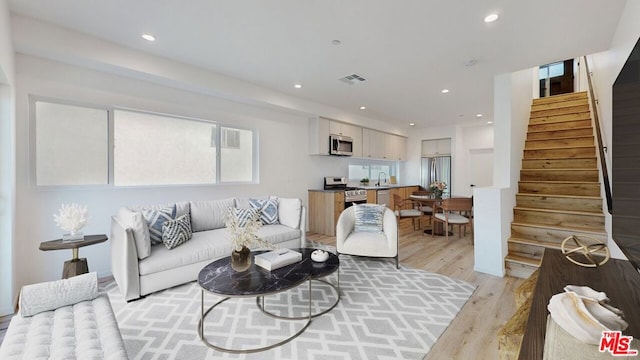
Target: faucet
385,177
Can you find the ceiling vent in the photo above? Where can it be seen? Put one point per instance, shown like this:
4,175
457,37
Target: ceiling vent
353,79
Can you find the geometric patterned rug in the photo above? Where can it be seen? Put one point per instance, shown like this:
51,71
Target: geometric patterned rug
384,313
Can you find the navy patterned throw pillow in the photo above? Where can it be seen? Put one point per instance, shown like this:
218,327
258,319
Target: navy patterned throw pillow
268,209
155,218
176,232
368,218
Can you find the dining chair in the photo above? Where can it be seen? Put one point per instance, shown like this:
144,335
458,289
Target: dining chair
452,210
422,206
399,207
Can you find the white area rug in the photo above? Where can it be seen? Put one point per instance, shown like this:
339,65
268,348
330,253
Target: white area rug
384,313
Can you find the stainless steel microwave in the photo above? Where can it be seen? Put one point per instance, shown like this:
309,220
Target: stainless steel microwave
340,145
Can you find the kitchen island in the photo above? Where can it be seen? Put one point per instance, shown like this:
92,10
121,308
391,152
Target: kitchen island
325,206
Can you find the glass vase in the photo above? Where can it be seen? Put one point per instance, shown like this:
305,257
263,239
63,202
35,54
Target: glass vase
241,260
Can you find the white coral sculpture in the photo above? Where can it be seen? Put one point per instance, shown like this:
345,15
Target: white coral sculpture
71,217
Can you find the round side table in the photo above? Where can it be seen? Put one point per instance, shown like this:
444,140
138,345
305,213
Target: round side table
76,265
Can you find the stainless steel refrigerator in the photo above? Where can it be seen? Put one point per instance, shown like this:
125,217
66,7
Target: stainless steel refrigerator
436,168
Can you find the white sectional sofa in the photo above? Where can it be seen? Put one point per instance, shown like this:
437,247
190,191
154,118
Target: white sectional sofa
140,268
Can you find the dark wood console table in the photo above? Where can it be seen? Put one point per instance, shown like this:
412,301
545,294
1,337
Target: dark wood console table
617,278
76,265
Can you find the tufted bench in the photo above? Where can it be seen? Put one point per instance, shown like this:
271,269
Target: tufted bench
60,327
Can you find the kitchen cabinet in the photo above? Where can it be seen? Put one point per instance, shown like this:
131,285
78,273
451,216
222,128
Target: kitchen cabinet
352,131
373,144
325,208
436,147
395,147
320,128
372,196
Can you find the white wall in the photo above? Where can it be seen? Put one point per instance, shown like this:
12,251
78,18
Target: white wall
97,72
512,104
7,172
605,67
283,172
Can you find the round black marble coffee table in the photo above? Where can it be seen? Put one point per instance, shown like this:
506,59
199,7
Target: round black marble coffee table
219,278
319,270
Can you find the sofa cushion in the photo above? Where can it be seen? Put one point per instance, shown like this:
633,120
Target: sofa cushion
204,245
207,245
276,234
51,295
155,218
368,217
289,211
209,215
176,232
268,209
136,222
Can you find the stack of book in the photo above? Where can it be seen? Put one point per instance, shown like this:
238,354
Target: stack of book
277,258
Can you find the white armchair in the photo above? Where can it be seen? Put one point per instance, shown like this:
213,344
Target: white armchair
368,244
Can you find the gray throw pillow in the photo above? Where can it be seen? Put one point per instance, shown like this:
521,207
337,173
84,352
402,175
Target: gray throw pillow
368,217
155,218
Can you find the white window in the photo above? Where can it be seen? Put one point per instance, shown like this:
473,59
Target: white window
72,147
236,155
152,149
71,144
371,172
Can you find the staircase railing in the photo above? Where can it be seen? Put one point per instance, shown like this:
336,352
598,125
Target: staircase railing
601,146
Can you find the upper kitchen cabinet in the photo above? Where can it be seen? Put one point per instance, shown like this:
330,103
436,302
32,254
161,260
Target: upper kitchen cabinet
373,146
352,131
395,147
436,147
320,128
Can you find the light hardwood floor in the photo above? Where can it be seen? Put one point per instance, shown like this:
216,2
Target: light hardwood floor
472,334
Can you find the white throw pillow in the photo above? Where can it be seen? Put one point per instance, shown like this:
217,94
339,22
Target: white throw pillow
51,295
209,215
136,222
289,211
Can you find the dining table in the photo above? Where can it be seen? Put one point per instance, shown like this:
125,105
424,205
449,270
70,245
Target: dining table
432,201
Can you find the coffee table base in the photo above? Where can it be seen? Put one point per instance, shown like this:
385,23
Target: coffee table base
260,304
252,350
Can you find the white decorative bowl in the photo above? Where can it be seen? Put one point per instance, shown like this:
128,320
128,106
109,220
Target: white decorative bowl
319,255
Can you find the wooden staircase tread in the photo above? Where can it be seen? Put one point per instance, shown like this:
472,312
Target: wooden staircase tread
522,260
592,231
562,138
560,97
560,147
569,129
560,182
541,243
572,158
574,212
560,196
560,169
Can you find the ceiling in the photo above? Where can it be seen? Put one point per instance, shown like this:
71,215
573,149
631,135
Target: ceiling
407,50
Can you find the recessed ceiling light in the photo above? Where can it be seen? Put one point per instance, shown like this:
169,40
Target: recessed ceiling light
489,122
363,108
148,37
444,91
478,115
298,86
412,124
491,18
